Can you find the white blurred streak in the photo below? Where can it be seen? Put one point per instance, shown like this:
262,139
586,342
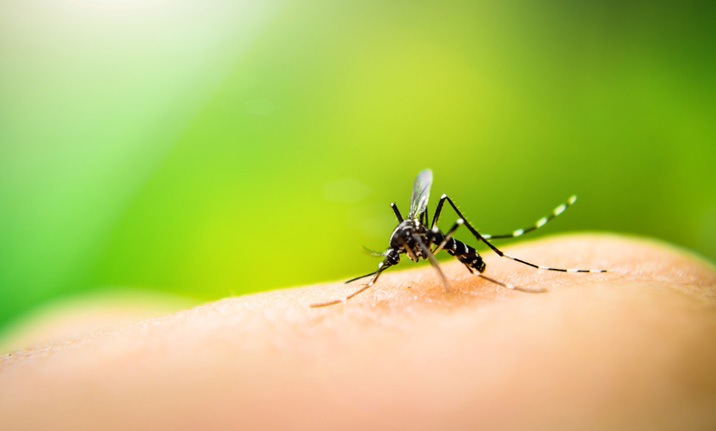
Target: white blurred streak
67,61
110,85
93,95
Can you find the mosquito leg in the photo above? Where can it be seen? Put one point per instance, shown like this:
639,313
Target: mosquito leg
541,222
447,236
502,254
433,262
392,257
408,250
477,235
469,257
437,212
382,267
358,278
511,286
397,212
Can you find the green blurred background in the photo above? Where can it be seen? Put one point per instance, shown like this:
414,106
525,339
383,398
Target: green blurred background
215,148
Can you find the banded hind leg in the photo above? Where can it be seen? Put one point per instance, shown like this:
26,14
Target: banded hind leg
538,224
391,257
366,286
469,257
499,252
463,252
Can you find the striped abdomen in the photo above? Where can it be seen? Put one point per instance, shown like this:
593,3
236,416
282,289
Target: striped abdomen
463,252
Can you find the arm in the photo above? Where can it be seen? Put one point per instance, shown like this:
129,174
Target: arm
633,348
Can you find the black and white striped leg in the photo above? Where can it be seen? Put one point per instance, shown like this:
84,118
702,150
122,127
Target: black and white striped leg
469,257
477,235
382,267
448,235
397,212
541,222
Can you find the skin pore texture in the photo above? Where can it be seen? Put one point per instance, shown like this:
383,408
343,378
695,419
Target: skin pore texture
634,348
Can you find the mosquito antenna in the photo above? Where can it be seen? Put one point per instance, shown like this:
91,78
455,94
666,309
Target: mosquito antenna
373,252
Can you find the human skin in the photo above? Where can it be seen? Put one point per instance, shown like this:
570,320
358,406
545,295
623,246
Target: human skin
634,348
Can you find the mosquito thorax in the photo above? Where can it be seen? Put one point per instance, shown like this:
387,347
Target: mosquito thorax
402,233
403,240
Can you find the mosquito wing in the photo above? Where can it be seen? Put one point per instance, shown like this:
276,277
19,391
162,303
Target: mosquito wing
421,193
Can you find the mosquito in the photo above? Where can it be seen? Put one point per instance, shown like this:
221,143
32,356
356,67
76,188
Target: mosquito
418,241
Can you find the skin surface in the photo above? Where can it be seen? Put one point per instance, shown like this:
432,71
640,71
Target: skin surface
631,349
